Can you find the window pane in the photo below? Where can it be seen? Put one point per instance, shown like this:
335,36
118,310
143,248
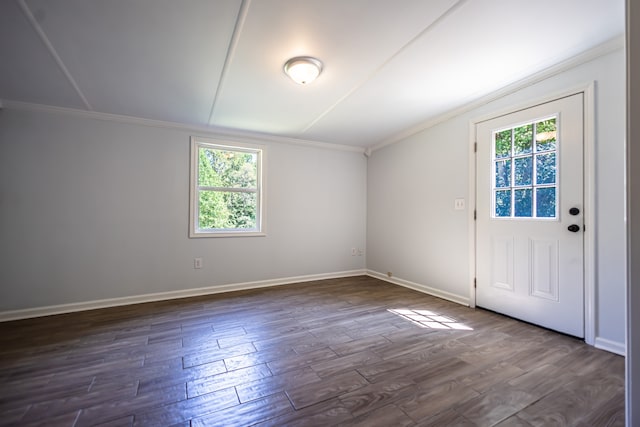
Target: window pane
212,210
546,135
222,168
522,202
546,168
220,210
241,169
522,139
242,209
524,171
503,144
503,173
546,202
503,203
209,167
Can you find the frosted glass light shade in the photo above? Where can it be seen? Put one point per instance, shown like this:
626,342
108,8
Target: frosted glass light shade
303,69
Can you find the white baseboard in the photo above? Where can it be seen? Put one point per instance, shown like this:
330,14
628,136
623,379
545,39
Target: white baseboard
420,288
160,296
611,346
600,343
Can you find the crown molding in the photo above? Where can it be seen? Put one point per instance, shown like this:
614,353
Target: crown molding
214,131
603,49
210,131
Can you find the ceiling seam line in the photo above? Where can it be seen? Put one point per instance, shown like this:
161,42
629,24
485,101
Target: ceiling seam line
441,18
233,44
52,51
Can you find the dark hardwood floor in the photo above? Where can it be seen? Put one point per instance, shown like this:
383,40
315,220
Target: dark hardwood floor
353,351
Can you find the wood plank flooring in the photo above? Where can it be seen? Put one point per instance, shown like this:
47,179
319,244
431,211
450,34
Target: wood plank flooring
354,351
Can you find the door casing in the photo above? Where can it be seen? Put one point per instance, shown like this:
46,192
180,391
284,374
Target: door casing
588,89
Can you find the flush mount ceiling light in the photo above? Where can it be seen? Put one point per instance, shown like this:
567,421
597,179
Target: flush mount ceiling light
303,69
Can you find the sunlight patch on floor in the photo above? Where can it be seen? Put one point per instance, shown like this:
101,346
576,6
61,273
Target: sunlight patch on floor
429,319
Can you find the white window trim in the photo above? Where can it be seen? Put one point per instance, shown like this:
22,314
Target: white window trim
194,231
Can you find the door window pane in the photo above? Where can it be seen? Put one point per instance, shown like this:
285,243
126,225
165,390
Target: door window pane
523,139
522,202
546,202
524,171
503,144
503,203
503,173
546,168
546,135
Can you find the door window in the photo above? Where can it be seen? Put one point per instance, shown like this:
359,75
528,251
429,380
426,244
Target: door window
525,170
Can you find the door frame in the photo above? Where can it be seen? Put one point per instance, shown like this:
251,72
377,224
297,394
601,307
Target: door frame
588,91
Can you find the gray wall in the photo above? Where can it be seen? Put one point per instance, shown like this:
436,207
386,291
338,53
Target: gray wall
414,232
93,209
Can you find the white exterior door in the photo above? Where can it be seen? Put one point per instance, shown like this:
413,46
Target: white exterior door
529,227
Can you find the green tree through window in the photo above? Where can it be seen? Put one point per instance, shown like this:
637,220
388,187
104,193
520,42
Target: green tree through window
227,189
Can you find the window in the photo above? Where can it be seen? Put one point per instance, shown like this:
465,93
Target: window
525,170
226,189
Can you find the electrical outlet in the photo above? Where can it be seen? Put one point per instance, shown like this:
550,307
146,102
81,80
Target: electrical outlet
360,252
389,274
197,263
458,204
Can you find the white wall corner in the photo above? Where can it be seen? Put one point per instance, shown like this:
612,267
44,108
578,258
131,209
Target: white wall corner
27,313
420,288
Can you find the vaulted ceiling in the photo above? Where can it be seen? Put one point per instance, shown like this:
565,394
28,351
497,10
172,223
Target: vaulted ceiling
389,65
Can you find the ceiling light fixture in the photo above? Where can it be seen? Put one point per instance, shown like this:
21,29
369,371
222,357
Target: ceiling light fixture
303,69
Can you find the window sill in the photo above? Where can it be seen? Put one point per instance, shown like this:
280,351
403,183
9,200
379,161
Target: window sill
199,235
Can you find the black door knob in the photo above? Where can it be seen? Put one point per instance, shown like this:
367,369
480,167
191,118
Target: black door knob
573,228
574,211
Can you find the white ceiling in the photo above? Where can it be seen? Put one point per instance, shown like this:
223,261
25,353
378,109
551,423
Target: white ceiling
389,65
